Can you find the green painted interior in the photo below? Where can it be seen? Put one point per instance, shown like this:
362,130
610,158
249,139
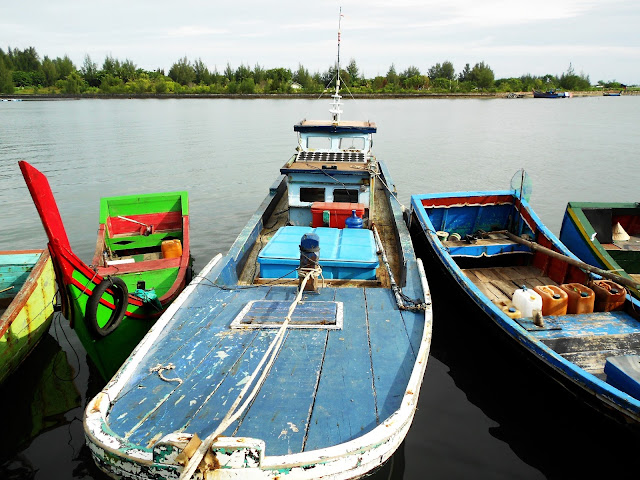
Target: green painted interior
143,204
141,241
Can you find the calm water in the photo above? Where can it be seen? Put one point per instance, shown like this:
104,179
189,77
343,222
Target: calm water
483,413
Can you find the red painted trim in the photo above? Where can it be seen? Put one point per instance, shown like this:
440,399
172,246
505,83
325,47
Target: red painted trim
474,200
136,267
159,221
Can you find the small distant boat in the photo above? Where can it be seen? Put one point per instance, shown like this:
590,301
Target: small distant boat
612,94
300,354
551,94
141,264
605,234
27,301
570,319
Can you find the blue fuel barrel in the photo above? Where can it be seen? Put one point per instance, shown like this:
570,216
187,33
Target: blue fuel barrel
354,221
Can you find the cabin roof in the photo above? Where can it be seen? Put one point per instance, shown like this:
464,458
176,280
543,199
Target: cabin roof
327,126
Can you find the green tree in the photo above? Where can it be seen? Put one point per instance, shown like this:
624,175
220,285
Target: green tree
465,74
392,76
64,66
571,81
354,73
203,76
26,60
182,72
6,78
89,71
73,84
50,71
302,77
126,70
445,70
482,75
110,66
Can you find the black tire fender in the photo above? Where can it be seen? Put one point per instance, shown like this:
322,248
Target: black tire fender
120,295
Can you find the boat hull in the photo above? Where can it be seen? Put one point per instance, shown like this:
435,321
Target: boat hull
29,314
276,447
580,236
589,387
125,307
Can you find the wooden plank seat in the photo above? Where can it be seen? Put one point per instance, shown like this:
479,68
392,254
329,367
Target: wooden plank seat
499,283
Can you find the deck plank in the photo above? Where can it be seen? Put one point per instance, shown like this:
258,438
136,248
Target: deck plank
188,345
390,348
345,404
280,413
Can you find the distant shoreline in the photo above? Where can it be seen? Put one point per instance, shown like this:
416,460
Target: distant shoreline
36,97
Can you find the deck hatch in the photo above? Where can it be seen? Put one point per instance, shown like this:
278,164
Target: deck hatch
309,314
349,157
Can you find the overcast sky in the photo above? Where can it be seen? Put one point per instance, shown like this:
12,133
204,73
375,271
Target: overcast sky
599,38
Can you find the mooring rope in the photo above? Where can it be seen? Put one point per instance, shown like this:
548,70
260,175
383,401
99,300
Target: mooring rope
265,364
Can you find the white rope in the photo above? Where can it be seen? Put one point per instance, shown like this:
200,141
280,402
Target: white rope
234,412
132,220
161,368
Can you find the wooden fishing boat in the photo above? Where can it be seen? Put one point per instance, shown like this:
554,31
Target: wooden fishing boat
612,94
606,235
27,301
299,354
497,253
550,94
140,266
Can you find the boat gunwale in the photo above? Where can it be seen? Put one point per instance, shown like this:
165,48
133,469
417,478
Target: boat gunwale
611,396
27,289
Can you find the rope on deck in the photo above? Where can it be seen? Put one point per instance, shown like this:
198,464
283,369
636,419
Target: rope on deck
266,362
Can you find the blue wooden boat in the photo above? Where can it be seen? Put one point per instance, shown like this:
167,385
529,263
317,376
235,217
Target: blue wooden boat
605,234
612,94
279,360
550,94
479,240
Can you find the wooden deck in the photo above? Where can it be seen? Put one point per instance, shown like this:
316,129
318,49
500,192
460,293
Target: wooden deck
499,283
321,390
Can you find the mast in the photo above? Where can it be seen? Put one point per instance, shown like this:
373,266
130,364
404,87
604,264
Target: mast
335,110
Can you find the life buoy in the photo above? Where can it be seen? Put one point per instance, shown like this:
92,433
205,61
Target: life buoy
120,295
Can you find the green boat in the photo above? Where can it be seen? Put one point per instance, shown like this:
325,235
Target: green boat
141,264
606,235
27,300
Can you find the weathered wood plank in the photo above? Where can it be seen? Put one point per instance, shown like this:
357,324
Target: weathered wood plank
193,336
282,409
389,346
345,404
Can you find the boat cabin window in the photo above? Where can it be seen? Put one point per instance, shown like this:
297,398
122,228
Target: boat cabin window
344,195
308,194
318,143
352,143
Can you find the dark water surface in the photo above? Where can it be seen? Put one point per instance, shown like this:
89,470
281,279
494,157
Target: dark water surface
483,412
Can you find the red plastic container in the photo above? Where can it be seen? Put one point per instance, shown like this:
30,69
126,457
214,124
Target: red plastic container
338,213
609,295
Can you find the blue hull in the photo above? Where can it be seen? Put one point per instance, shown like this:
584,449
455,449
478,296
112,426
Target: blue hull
571,348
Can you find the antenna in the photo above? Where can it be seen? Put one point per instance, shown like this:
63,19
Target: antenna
335,110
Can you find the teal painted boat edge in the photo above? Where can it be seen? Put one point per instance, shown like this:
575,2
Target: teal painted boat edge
613,397
40,281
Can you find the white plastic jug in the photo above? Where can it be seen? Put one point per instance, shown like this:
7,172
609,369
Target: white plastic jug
527,300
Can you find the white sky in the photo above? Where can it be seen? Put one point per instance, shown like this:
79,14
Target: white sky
599,38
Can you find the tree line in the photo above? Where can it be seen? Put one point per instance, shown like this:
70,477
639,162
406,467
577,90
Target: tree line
23,71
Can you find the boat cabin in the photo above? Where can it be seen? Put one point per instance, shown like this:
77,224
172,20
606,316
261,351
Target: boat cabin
332,166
